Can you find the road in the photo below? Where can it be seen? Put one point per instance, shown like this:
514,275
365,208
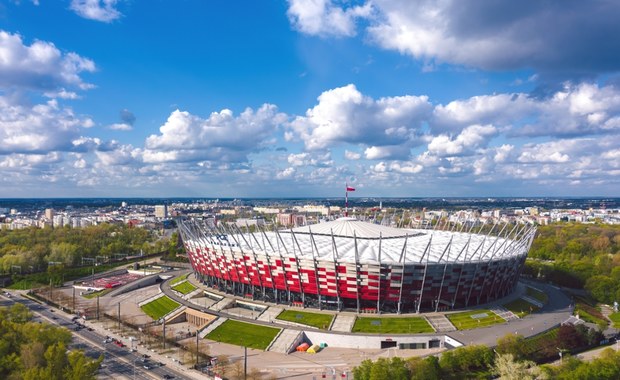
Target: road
117,361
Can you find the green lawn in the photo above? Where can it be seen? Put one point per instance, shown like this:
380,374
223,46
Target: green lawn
244,334
521,307
615,319
179,279
185,287
537,295
160,307
588,312
320,321
473,319
100,293
387,325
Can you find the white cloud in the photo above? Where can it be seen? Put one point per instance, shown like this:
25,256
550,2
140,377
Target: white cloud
487,35
308,159
345,115
325,17
120,127
503,152
286,173
389,152
349,155
62,94
37,129
40,66
575,109
98,10
222,136
469,139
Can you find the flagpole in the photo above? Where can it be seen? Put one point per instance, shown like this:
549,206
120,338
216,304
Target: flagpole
346,199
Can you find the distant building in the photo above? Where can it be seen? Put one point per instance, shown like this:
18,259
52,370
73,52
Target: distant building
49,213
161,211
289,220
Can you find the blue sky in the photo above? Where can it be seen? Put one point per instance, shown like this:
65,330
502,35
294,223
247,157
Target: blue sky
295,98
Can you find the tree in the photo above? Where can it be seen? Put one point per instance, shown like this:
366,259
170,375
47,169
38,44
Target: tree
80,367
512,344
424,369
602,288
507,368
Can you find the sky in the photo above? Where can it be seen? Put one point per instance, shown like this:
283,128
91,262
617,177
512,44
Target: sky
276,98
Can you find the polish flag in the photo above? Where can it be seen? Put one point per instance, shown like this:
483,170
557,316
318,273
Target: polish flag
350,188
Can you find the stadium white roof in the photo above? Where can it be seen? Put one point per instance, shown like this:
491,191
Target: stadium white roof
346,239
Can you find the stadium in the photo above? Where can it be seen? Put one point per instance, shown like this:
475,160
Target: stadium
349,264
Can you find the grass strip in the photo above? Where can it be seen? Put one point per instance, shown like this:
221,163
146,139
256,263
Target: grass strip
159,307
185,287
537,295
521,307
179,279
474,319
389,325
615,319
318,320
100,293
244,334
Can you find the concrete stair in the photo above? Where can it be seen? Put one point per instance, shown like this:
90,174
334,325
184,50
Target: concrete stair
504,313
284,342
440,323
212,326
270,314
343,323
223,304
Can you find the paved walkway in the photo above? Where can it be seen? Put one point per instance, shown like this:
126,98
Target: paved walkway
343,322
440,323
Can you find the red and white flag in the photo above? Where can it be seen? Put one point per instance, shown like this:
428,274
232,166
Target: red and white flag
349,188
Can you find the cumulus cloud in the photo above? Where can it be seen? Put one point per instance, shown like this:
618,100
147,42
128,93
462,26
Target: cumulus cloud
98,10
310,159
573,110
326,17
352,155
547,36
468,140
390,152
40,66
120,127
345,115
222,136
37,129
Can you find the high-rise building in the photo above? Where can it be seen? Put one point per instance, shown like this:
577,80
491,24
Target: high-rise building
49,213
161,211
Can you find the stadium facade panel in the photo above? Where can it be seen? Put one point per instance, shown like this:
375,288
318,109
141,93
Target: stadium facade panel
355,265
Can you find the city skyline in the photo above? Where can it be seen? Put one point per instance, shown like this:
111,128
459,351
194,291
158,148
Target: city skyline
114,98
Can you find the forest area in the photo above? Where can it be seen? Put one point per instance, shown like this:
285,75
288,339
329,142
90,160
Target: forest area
31,249
39,351
578,256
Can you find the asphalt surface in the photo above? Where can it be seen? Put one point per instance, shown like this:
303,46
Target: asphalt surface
118,361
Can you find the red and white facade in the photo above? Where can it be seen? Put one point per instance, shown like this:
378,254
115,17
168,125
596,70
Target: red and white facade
355,265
